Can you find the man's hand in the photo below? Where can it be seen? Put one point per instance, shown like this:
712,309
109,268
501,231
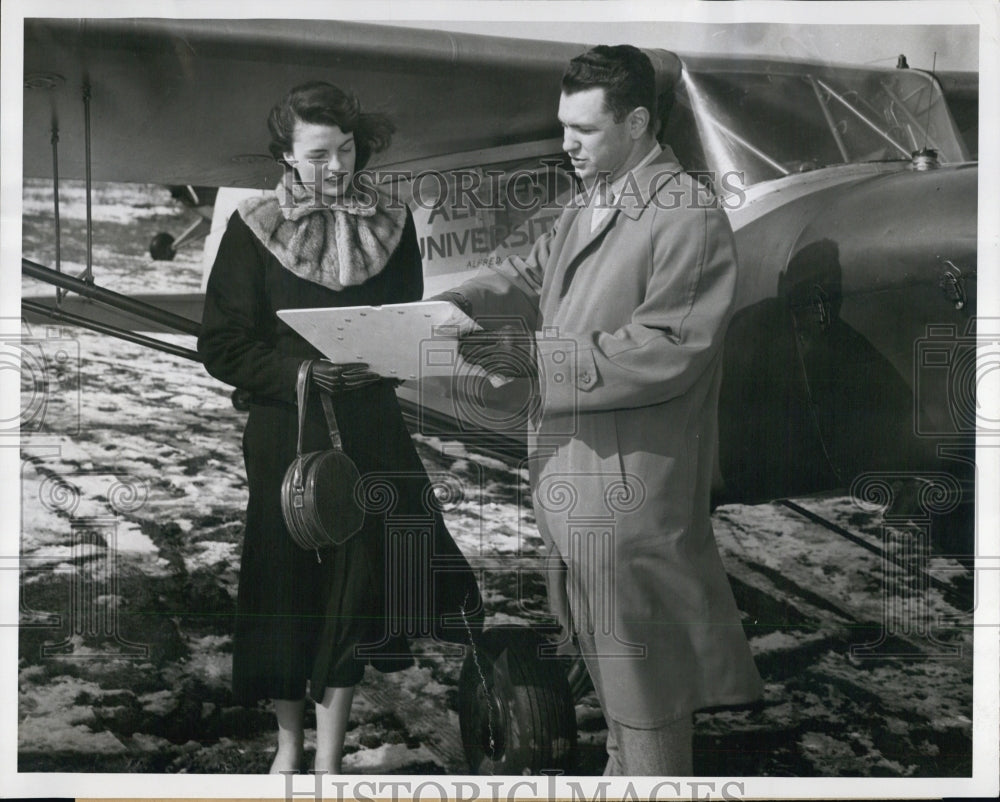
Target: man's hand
341,378
458,317
508,351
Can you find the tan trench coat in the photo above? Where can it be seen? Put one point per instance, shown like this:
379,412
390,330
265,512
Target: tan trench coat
630,321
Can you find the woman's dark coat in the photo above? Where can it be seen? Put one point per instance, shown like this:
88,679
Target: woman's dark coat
322,616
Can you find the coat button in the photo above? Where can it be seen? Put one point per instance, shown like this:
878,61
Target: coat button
585,377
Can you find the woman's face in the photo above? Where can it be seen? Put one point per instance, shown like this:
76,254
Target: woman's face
325,148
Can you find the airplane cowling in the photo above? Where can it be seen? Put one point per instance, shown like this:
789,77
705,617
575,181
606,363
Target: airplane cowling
827,378
873,283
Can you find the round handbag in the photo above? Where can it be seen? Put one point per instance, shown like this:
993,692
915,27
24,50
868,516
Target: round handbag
317,494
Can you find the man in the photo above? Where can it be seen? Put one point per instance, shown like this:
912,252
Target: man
629,296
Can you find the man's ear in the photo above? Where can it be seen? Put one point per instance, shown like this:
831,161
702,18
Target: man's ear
638,122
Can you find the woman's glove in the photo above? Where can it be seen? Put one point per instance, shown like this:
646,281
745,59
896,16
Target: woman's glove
342,378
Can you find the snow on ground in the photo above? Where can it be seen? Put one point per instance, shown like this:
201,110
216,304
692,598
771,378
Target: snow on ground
125,219
132,513
113,203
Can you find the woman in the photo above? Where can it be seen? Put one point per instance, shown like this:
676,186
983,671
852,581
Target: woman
304,618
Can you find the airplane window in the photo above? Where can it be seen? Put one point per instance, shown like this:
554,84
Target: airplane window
777,122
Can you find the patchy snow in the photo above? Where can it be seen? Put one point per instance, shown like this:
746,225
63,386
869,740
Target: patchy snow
158,702
116,204
62,716
210,659
130,538
149,743
386,759
211,553
125,219
57,735
55,554
775,642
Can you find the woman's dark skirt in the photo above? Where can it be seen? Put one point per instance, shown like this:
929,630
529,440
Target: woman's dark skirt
322,617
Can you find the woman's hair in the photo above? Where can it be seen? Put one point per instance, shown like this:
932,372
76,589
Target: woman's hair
323,103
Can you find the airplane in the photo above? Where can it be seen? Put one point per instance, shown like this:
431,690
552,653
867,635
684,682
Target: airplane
851,190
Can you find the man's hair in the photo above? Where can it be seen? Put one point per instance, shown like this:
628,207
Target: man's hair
624,72
323,103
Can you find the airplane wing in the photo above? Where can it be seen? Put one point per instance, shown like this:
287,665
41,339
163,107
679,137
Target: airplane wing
185,101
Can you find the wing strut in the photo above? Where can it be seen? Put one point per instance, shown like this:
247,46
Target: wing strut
83,284
182,325
132,306
62,316
55,202
88,274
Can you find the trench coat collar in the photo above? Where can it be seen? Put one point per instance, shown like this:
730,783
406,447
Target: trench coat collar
644,182
635,195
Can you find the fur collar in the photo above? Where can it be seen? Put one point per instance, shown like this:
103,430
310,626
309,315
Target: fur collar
337,246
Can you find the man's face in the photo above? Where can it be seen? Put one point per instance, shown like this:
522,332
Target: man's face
595,143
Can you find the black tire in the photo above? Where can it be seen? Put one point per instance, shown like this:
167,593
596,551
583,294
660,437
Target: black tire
516,712
161,247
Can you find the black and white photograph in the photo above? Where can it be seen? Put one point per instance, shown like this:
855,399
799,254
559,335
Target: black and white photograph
500,400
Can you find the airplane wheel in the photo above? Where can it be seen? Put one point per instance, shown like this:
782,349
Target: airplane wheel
161,247
515,709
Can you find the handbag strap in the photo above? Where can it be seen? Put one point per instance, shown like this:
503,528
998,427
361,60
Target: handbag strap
331,420
302,383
